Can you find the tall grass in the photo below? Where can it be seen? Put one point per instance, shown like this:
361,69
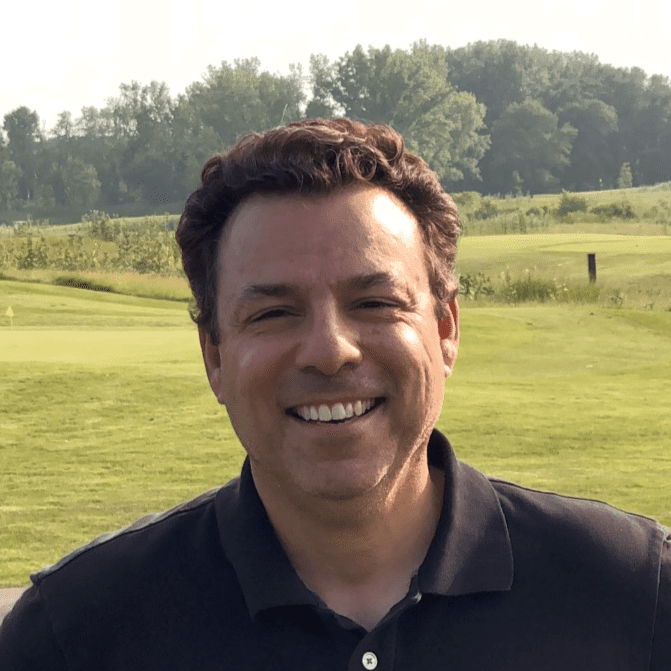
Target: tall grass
624,211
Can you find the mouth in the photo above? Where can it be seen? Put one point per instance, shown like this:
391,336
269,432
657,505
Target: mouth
335,413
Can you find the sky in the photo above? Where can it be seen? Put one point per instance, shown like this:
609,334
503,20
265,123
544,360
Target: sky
65,55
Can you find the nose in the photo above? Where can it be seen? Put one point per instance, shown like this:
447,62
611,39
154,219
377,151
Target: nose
328,344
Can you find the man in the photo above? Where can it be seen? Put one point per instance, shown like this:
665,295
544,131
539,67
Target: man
321,259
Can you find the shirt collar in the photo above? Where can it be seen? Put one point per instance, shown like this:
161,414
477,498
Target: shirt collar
470,552
266,576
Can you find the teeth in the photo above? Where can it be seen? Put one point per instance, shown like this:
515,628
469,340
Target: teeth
338,412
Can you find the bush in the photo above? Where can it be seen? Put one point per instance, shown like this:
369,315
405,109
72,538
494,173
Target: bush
101,226
622,210
532,289
527,289
580,293
34,255
474,286
569,204
467,200
486,211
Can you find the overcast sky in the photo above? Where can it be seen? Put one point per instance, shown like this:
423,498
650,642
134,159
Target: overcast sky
66,54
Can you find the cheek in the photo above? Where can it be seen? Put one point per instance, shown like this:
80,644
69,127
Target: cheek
412,356
252,373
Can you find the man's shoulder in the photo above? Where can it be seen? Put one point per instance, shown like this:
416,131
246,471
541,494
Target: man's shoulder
523,501
142,578
579,532
134,538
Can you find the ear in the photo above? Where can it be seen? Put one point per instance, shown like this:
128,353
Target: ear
448,328
212,359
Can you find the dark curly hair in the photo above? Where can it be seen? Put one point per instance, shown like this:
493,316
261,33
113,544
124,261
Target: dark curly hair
313,158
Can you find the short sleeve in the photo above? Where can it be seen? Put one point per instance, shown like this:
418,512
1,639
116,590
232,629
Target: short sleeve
661,642
26,639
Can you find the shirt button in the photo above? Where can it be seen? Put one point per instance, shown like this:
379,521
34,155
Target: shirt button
369,660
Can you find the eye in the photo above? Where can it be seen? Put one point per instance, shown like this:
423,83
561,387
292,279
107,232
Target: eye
374,304
275,313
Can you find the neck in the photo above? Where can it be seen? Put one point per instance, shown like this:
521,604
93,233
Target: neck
341,549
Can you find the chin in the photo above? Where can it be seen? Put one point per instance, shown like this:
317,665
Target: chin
342,481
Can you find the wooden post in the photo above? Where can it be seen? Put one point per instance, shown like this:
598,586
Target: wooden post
591,267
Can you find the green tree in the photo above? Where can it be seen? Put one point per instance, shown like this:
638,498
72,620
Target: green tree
10,174
410,92
81,183
194,143
241,98
143,119
58,150
495,72
625,179
654,132
625,89
591,160
527,139
23,132
99,145
572,77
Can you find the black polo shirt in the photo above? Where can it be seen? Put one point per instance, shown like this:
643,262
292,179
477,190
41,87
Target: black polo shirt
514,580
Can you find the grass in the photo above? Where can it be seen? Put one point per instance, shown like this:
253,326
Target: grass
642,199
106,413
638,267
571,399
147,285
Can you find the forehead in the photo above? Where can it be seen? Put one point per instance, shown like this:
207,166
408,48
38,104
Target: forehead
358,211
293,238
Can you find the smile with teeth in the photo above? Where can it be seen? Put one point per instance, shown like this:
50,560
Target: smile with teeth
337,412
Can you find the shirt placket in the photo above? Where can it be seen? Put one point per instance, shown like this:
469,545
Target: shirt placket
376,651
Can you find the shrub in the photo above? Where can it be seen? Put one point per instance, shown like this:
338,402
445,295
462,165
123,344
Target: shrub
569,204
622,210
467,200
101,226
527,289
35,254
474,286
487,210
579,293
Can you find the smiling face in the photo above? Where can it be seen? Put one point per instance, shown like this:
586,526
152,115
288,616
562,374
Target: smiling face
329,361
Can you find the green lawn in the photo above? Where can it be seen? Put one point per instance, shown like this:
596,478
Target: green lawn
106,413
636,266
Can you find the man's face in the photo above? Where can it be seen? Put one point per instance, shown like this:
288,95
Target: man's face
330,362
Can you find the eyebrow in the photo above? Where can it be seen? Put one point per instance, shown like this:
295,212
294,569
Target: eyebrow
253,292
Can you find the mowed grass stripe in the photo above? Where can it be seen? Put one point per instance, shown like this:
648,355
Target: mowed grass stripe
44,306
102,348
100,426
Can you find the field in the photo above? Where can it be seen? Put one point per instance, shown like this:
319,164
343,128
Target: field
106,413
632,270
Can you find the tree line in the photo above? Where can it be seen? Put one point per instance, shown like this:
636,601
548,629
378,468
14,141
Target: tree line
493,117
